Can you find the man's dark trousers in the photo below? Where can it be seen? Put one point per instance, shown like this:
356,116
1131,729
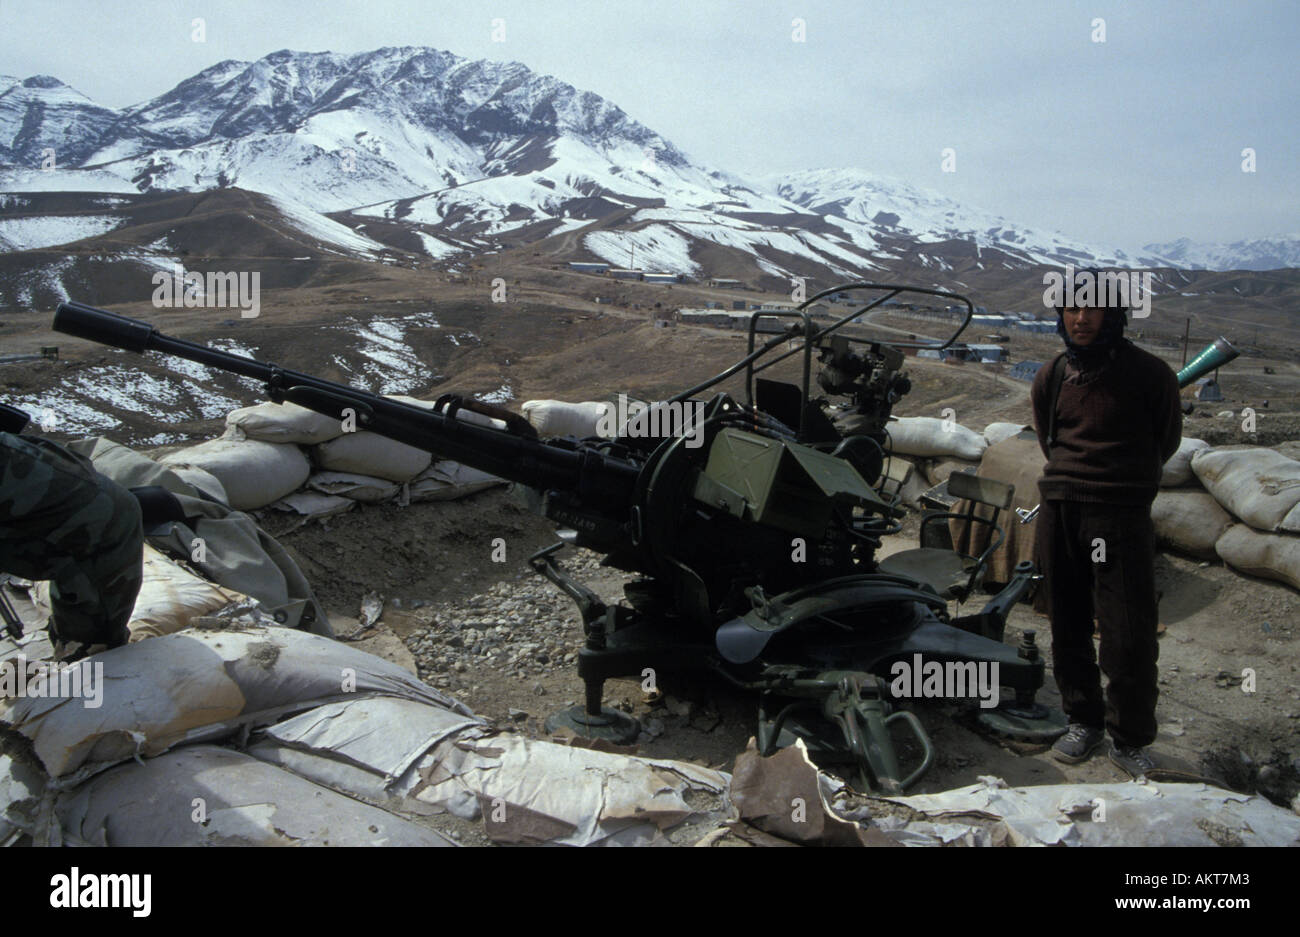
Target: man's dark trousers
1118,588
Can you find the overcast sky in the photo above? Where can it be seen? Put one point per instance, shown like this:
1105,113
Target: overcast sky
1135,139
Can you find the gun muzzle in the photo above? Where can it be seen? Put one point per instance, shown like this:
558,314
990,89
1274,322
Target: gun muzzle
106,328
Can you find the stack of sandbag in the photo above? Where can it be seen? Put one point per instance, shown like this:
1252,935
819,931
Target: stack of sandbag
1262,488
333,746
293,459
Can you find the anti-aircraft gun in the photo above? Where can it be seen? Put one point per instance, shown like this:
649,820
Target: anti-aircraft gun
752,529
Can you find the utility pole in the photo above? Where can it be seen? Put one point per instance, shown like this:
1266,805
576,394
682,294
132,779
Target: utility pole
1187,328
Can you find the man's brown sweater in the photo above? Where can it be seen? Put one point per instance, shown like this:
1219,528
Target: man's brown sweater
1116,426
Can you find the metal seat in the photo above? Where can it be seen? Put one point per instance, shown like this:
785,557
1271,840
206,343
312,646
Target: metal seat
952,574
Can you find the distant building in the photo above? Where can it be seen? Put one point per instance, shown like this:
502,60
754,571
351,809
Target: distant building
1207,388
988,353
622,274
1036,325
738,304
932,353
583,267
662,278
725,283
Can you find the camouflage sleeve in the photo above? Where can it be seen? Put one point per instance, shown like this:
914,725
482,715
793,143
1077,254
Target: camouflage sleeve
61,520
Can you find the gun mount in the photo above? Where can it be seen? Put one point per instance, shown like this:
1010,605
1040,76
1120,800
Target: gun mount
751,525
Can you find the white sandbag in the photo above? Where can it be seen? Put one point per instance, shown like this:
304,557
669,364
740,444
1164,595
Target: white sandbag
1178,470
1189,521
1290,448
170,597
198,686
558,418
994,433
1272,556
447,480
204,480
366,453
364,488
1260,486
927,436
253,473
283,423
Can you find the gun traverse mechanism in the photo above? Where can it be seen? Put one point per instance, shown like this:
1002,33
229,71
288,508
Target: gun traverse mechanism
752,529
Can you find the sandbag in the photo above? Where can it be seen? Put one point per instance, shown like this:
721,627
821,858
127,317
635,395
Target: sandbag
558,418
1290,448
253,473
938,470
282,423
1260,486
130,469
312,504
170,597
1178,470
364,488
927,436
994,433
199,686
1272,556
1189,521
366,453
447,480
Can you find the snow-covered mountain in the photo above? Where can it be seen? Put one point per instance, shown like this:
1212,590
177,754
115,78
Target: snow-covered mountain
1268,253
895,208
468,156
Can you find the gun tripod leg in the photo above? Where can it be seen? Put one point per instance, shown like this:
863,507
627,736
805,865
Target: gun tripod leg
592,719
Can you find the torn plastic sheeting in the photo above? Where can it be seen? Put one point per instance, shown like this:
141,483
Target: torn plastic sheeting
1151,814
533,792
243,802
199,685
386,736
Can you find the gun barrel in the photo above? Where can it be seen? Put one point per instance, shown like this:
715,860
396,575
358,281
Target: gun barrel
602,479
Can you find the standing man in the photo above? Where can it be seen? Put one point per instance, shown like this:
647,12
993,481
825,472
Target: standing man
61,520
1107,416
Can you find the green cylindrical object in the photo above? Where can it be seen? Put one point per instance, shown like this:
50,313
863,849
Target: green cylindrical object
1215,355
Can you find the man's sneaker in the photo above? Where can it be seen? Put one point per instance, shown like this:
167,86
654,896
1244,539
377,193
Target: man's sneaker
1078,742
1135,761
